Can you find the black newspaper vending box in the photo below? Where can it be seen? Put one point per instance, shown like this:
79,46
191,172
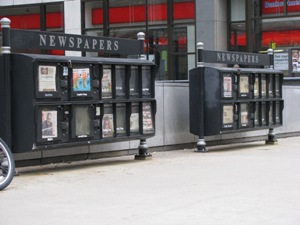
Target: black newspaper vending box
62,101
234,100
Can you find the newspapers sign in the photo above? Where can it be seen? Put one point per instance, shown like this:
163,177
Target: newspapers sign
61,41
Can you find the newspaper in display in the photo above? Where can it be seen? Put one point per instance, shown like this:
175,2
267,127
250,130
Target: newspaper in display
134,122
227,115
49,124
244,84
47,78
147,118
227,87
106,84
108,125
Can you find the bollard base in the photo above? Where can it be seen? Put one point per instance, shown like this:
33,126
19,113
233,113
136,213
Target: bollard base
143,151
201,146
272,140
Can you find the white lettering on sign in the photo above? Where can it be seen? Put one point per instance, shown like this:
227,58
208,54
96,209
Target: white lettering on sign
62,41
281,4
236,58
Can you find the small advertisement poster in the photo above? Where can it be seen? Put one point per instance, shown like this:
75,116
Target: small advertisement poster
81,79
47,78
106,84
49,124
108,125
295,60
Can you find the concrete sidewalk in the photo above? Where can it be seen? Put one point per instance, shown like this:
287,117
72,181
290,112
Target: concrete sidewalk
242,184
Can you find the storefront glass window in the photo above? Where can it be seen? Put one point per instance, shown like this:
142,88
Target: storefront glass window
293,7
272,7
157,12
23,17
45,17
130,12
238,36
238,10
183,10
126,18
183,44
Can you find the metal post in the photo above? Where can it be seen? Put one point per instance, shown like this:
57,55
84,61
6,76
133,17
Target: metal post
141,38
201,145
271,56
143,147
5,97
271,135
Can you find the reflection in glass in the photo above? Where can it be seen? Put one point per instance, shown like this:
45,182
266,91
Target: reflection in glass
263,114
244,120
263,86
277,86
271,113
133,83
270,86
121,119
120,81
82,121
278,113
256,115
146,80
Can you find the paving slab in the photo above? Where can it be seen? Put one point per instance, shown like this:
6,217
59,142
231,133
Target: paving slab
240,184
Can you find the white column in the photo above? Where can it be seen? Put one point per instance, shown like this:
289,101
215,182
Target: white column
72,21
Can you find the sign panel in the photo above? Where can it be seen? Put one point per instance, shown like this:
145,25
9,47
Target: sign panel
240,58
51,40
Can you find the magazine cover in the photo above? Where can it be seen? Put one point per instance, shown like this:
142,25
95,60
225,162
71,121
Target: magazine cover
47,78
81,79
108,125
106,84
49,124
